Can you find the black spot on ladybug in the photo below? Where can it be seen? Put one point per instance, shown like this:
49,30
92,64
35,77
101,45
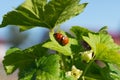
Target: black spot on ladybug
61,39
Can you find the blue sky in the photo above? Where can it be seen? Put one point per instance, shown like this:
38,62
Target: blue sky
97,14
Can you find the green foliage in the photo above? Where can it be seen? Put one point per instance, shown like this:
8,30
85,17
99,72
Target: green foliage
80,31
114,71
32,63
16,58
104,47
48,68
54,45
10,60
87,56
42,13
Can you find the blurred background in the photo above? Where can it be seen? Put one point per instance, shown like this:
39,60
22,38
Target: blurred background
97,14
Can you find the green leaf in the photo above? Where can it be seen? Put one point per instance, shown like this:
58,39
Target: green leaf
48,68
42,13
105,73
104,30
33,63
25,15
8,62
54,45
114,71
58,11
104,47
91,78
28,73
16,58
10,51
79,31
109,72
101,73
33,6
68,78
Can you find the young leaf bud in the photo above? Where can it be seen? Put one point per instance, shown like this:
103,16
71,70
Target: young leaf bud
87,55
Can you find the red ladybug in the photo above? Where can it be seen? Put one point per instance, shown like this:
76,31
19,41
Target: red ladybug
63,40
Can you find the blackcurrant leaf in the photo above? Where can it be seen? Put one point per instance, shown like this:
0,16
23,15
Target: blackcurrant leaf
104,47
48,68
43,13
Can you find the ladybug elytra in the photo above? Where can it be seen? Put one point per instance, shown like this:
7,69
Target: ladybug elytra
62,40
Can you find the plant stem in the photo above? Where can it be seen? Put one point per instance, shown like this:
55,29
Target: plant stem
87,67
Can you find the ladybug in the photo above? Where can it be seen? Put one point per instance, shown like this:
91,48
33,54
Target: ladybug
61,39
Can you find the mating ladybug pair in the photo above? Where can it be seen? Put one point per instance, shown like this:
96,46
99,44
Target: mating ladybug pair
61,39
